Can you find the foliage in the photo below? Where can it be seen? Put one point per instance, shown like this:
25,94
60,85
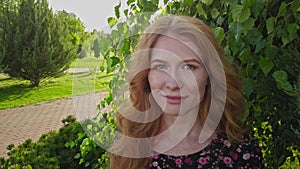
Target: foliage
93,44
96,48
81,52
260,37
36,43
75,31
60,149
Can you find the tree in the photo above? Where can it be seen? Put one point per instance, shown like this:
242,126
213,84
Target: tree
35,45
96,48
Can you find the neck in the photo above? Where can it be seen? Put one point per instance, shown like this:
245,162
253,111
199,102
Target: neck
181,127
179,135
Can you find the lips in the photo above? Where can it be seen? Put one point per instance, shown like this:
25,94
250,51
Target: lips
174,99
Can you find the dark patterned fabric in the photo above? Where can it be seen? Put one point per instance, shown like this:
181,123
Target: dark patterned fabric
220,153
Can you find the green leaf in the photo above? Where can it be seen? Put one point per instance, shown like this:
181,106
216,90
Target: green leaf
271,51
111,21
244,56
104,46
254,36
282,9
111,63
101,68
114,61
240,14
219,33
207,2
89,127
266,65
124,46
248,25
281,77
126,12
236,28
201,11
77,156
214,13
249,86
86,164
108,98
130,2
295,6
187,2
270,24
117,10
292,30
148,6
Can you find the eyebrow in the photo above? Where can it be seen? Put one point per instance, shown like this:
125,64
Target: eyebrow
157,60
193,60
185,61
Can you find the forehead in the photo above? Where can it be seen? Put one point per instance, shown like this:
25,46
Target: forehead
170,47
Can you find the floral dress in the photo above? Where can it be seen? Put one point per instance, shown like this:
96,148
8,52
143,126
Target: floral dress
220,153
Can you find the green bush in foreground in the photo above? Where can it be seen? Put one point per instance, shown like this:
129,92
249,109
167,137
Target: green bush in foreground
57,149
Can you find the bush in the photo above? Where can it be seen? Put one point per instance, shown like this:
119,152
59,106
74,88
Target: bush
56,149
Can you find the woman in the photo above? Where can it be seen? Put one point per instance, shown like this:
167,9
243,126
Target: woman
187,103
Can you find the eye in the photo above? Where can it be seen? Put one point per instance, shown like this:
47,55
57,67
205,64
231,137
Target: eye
188,67
160,67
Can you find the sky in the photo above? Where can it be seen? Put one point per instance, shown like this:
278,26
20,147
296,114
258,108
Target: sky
93,13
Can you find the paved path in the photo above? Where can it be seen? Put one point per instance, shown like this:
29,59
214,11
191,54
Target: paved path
31,121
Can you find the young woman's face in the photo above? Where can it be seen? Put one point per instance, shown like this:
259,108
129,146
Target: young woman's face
177,77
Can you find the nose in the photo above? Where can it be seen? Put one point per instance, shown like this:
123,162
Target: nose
172,83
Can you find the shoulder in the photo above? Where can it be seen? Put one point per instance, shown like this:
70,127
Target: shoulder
243,153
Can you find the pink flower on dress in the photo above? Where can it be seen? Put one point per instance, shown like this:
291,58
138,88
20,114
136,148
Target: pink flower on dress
246,156
178,162
202,160
227,143
188,161
227,160
154,163
234,156
238,150
155,156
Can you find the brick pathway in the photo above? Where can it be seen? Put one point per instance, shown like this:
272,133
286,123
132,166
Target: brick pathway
31,121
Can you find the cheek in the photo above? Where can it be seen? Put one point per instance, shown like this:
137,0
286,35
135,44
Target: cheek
154,81
202,86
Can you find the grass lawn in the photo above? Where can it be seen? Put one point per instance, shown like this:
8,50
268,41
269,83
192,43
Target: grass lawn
15,92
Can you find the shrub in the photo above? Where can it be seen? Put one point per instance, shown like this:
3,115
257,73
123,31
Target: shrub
56,149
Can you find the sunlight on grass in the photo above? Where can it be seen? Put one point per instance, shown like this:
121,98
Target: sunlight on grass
15,92
87,62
